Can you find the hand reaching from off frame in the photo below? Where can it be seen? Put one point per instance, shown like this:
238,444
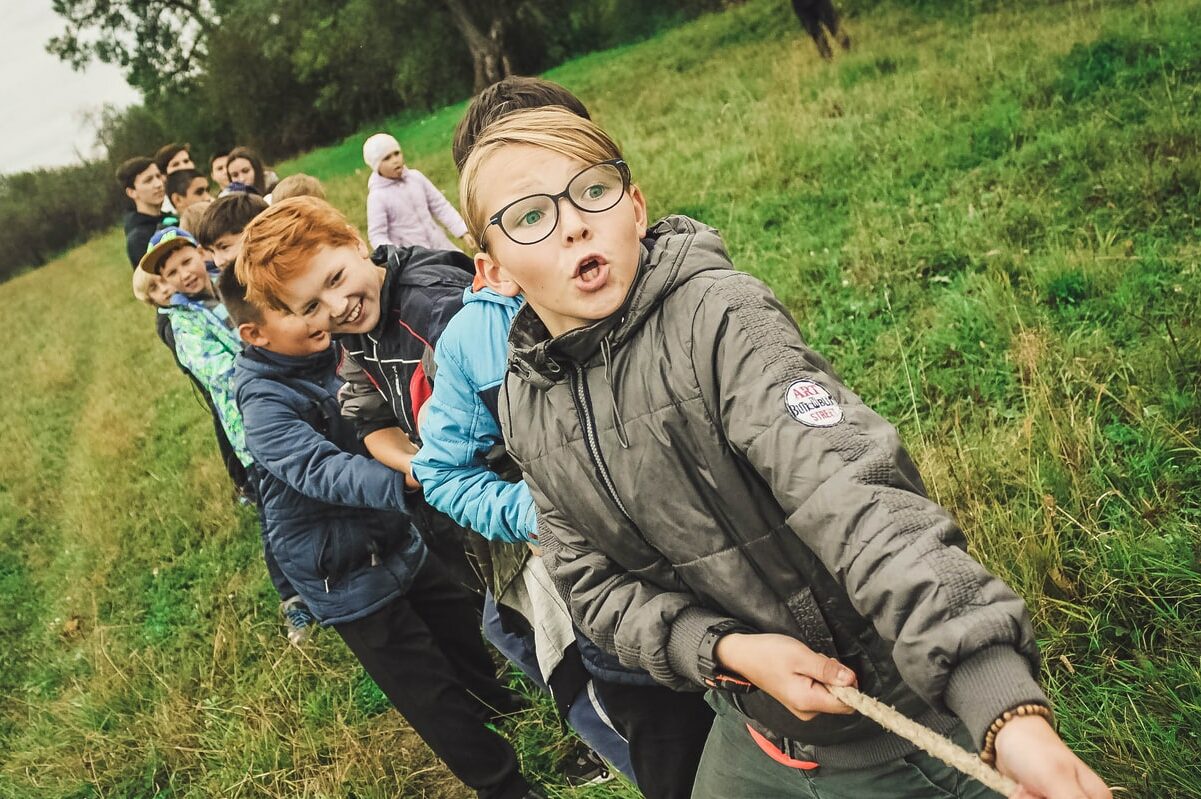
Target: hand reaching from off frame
1030,752
792,673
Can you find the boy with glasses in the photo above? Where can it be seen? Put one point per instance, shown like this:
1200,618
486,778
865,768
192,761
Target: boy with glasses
721,511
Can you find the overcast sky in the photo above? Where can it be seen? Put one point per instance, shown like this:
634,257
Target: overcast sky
42,100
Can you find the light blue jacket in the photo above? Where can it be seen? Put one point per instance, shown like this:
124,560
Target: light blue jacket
206,346
461,426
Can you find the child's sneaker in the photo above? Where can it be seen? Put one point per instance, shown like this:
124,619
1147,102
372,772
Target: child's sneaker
585,767
298,620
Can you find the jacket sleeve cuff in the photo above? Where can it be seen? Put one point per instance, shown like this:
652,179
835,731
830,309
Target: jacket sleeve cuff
529,521
993,680
684,644
366,427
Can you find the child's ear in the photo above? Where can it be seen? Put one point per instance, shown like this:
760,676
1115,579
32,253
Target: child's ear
494,276
639,210
174,202
251,334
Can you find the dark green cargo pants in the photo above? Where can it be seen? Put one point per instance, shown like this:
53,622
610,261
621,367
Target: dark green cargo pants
733,765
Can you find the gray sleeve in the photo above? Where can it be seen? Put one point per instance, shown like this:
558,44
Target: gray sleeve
961,638
644,626
360,401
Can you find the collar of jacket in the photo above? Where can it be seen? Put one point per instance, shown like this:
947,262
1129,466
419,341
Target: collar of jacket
316,367
393,259
675,250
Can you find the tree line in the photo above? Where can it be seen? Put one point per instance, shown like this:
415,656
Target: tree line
283,76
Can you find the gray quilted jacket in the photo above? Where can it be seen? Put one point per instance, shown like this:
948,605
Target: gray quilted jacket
693,461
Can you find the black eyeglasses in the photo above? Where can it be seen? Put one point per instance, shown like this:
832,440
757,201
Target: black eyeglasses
531,219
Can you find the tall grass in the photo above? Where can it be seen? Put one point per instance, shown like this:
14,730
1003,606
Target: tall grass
988,220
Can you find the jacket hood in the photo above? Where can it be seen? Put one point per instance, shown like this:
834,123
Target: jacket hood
395,260
675,250
256,362
488,295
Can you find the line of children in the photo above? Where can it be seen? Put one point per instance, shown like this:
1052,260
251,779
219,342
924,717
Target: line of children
715,508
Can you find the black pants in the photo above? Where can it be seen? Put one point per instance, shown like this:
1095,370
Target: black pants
667,731
425,652
448,541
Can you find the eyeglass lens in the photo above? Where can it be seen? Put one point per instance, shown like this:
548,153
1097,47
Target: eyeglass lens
533,218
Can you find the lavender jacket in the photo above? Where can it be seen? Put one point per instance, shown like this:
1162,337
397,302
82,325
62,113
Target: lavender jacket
402,212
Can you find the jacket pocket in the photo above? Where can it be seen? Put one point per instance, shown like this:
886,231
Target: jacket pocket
808,615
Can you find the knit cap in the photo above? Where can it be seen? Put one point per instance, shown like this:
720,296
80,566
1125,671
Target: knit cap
377,147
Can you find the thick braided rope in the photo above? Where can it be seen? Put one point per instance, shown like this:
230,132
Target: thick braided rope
925,738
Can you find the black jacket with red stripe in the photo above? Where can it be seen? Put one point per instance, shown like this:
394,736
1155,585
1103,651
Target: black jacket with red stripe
385,368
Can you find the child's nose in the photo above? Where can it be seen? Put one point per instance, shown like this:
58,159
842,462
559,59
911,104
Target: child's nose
573,225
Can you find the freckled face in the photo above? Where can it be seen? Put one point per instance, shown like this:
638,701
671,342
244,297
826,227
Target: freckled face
338,292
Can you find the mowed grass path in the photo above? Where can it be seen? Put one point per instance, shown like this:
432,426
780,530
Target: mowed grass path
989,222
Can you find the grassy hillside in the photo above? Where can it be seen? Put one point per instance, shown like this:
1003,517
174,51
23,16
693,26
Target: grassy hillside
988,221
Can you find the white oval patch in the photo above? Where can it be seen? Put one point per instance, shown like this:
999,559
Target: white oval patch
809,403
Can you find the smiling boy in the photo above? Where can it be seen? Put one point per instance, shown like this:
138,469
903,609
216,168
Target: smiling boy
718,508
387,308
204,343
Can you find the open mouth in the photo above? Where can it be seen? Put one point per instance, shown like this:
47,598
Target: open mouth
591,273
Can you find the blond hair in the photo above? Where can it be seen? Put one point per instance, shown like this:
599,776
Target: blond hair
189,220
552,128
142,281
298,185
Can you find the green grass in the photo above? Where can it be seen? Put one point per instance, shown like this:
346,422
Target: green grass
988,220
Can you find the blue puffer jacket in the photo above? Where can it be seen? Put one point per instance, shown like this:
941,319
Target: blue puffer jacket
461,426
335,518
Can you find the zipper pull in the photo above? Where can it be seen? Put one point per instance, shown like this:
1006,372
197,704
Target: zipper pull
327,585
374,559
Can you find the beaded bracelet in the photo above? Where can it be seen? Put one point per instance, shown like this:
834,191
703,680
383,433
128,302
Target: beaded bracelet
989,753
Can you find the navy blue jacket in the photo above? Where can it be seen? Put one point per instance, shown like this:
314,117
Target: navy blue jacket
335,519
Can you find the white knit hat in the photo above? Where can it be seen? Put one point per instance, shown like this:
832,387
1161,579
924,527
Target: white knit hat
377,148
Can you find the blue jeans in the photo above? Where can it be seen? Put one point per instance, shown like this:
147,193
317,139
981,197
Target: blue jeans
587,715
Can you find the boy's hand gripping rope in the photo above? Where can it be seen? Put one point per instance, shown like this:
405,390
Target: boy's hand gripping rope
925,738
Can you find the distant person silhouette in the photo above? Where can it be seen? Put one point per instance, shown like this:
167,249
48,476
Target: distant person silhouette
817,17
